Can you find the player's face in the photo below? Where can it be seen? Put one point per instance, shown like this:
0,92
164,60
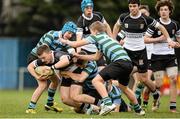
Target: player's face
144,11
67,35
88,11
134,9
46,57
164,12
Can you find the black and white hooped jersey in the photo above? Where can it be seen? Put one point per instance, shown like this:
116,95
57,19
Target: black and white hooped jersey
57,56
83,28
135,28
161,48
83,22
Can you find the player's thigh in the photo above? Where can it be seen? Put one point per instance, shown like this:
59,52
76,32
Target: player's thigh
75,90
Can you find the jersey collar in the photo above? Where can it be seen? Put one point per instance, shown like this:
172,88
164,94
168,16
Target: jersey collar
165,23
87,18
135,17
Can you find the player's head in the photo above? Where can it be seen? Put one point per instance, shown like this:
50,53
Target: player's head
44,53
134,2
144,9
82,63
134,7
86,3
69,29
97,27
164,7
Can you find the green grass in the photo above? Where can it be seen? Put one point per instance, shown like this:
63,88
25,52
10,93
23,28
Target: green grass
13,105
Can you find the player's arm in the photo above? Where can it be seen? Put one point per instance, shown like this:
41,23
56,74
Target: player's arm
116,29
31,68
63,62
92,57
75,76
178,42
75,44
171,43
108,28
79,36
149,39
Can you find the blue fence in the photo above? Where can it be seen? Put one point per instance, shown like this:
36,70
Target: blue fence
13,55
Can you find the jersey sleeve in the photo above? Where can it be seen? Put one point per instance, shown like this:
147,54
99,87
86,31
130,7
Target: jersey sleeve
150,31
121,18
177,30
38,62
91,39
47,39
80,25
152,22
90,68
101,17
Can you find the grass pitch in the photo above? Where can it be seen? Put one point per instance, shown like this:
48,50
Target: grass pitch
14,103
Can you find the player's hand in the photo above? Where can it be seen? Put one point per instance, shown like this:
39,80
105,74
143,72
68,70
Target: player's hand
121,42
63,40
171,44
177,45
161,38
76,55
43,77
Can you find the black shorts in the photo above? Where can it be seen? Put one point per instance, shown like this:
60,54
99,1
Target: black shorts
139,59
66,82
31,58
161,62
91,92
118,70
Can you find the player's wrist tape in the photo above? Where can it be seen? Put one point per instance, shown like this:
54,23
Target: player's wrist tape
53,67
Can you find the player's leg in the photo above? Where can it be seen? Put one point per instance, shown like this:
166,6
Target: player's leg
77,95
172,73
65,93
146,92
51,105
36,95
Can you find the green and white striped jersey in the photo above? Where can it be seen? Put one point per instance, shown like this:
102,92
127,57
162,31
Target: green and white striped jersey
111,49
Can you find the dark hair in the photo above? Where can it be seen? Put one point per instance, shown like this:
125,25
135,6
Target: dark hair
161,3
134,2
43,48
144,7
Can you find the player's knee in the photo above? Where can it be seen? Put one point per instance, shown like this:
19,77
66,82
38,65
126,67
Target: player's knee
43,85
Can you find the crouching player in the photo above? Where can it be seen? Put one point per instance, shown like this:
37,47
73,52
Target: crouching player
50,39
120,65
81,90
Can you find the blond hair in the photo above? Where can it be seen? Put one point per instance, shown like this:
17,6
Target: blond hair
97,25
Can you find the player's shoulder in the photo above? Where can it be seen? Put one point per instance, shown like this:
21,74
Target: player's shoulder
124,14
175,22
97,13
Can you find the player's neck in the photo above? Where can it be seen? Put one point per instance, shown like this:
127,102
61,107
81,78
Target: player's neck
165,20
135,16
87,17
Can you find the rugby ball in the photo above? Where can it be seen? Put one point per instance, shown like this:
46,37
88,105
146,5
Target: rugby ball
44,70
